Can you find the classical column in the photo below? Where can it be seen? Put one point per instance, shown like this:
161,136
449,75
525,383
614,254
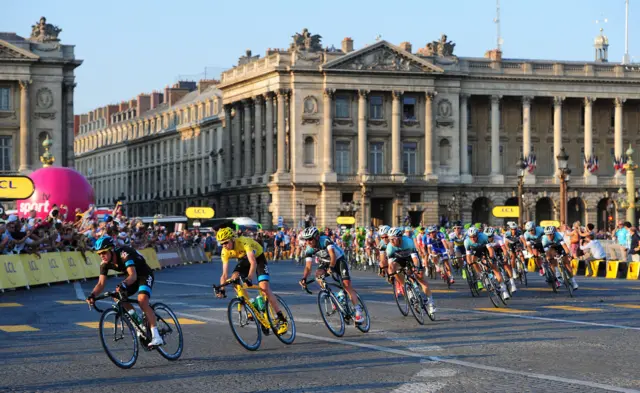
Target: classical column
68,123
268,120
526,125
428,134
362,132
396,141
464,136
588,132
328,130
557,129
174,146
282,102
617,130
257,129
495,136
247,104
225,138
237,149
217,143
25,146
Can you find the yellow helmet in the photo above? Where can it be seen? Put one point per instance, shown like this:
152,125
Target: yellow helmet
224,235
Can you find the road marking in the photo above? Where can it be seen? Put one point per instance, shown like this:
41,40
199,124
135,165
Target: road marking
68,302
390,291
79,292
210,287
636,288
10,305
546,319
18,328
95,325
187,321
199,306
632,306
594,289
437,373
421,387
536,289
574,308
505,310
453,361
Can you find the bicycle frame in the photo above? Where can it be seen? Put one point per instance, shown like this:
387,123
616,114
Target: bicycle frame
243,295
123,313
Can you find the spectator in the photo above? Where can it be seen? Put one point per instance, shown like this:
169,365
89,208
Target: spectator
593,251
634,248
621,235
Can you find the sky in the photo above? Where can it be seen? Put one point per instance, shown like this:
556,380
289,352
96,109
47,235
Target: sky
137,46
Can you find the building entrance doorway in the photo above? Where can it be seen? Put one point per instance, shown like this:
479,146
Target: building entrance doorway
381,211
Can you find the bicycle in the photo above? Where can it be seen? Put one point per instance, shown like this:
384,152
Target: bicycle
430,268
490,283
338,305
521,267
564,273
124,326
469,275
242,311
413,297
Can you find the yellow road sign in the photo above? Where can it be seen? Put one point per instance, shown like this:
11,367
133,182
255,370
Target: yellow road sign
506,211
200,212
16,187
550,223
346,220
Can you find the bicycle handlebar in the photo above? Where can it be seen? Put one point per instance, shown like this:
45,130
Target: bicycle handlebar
104,296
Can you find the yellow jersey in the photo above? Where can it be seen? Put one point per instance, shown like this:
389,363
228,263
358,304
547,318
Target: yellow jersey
241,247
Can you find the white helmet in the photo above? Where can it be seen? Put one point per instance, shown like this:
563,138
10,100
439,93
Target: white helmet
432,229
310,233
513,225
383,230
529,226
473,231
550,230
395,232
489,231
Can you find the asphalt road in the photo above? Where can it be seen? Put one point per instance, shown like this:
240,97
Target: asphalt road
542,342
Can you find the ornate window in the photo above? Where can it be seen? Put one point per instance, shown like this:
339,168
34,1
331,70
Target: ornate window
343,157
309,151
409,108
342,107
376,158
445,152
409,153
375,108
5,94
6,152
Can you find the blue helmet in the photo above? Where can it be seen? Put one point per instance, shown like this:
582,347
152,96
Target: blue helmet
105,243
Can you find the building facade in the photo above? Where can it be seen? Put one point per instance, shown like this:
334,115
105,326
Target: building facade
36,98
154,151
385,132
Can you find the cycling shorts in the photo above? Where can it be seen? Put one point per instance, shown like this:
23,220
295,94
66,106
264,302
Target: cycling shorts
479,251
262,270
142,285
341,268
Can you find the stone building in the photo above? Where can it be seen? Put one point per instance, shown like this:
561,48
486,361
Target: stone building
384,132
36,98
153,151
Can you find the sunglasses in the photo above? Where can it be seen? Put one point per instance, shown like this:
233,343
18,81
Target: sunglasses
102,252
225,243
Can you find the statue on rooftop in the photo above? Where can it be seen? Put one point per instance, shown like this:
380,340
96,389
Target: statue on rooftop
305,41
44,32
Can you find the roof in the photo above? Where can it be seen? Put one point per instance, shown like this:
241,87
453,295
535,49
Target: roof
11,37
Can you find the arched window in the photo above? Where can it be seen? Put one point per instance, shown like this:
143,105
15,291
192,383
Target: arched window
309,150
445,152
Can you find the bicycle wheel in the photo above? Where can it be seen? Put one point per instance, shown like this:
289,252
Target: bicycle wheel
523,273
551,278
492,292
415,302
472,282
290,335
172,336
566,279
366,325
118,338
401,299
329,307
243,327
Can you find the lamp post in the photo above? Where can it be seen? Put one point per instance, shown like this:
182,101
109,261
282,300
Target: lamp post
520,167
631,167
563,175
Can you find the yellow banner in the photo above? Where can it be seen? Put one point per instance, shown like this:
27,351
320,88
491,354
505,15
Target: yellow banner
12,275
16,187
550,223
58,272
346,220
151,257
36,270
73,262
91,266
506,211
199,212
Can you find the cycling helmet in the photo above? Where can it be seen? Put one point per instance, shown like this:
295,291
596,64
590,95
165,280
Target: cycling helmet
105,243
550,230
489,231
432,229
457,224
383,230
513,225
408,229
224,235
310,233
472,231
395,232
529,225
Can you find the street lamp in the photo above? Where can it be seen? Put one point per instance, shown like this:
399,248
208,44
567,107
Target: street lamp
563,175
521,168
630,168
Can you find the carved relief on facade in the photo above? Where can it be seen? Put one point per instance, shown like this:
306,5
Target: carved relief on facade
310,111
383,59
444,113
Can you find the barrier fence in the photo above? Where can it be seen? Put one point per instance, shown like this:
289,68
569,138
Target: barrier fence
27,270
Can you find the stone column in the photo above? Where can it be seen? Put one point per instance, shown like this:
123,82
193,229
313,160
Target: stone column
617,130
588,138
225,138
557,130
362,132
237,149
496,170
174,146
327,121
282,102
25,146
68,123
247,104
268,119
257,129
526,125
218,161
464,138
428,135
396,140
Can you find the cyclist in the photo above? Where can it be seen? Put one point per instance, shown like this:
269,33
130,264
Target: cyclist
370,244
400,251
383,238
513,244
497,243
554,245
437,247
347,242
139,279
279,244
477,246
532,239
251,261
322,246
359,243
456,241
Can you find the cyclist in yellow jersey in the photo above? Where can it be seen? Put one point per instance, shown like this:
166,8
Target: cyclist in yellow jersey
251,260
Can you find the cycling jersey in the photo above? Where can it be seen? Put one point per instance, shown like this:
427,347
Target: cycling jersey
512,239
457,240
346,240
480,242
322,252
528,236
360,238
241,247
495,241
558,240
404,253
437,244
126,257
